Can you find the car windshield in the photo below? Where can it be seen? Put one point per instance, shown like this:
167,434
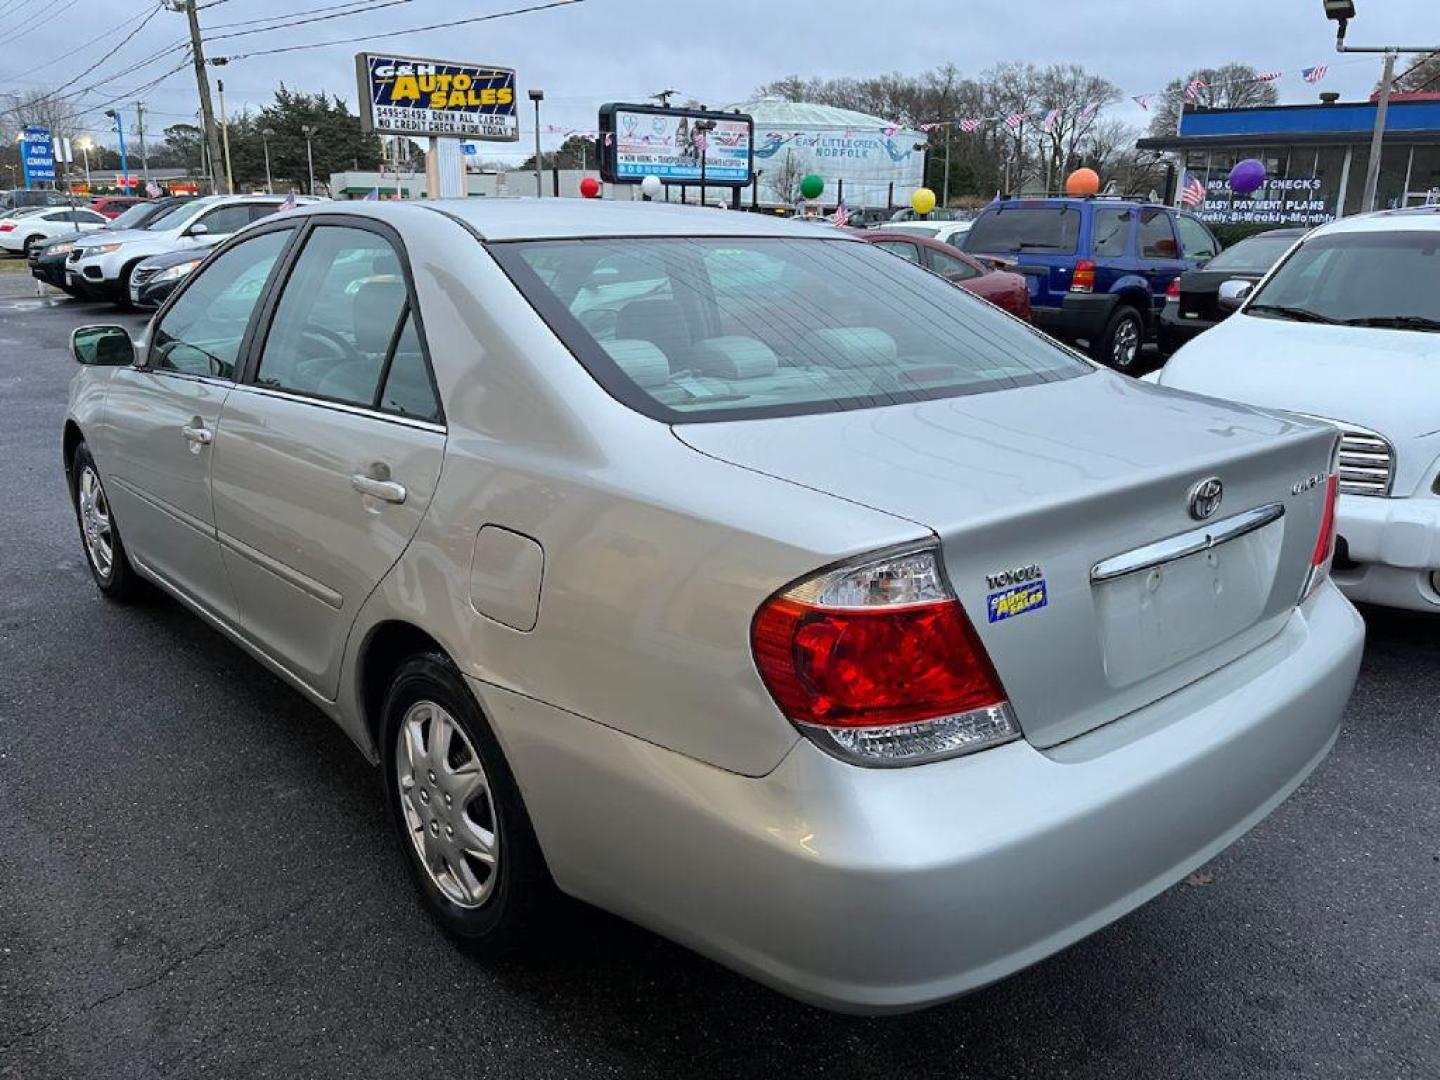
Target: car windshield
1048,229
691,329
1252,256
1383,279
132,217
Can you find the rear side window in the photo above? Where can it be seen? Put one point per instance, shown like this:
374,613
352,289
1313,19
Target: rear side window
1111,233
1045,230
901,248
949,267
408,391
773,326
1157,236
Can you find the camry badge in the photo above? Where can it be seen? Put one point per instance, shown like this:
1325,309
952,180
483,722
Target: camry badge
1205,497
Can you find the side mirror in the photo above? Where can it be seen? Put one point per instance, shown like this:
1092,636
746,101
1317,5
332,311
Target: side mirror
102,346
1233,293
198,229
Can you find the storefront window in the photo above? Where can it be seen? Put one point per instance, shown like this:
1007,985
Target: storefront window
1424,173
1329,167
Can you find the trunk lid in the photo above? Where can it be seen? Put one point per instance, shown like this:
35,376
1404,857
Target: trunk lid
1045,482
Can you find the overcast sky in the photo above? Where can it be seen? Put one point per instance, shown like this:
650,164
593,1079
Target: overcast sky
609,50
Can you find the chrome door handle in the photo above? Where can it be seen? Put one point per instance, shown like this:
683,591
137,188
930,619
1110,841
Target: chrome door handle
388,490
201,435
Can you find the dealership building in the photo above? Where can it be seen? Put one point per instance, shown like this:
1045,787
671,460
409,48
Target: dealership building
1315,157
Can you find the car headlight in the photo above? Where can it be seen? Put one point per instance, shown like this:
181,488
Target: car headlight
103,249
176,272
60,249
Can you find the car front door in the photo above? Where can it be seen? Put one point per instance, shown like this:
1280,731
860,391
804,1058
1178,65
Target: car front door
1197,244
161,418
1160,259
328,451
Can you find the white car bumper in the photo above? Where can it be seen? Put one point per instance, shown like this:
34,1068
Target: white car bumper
1394,545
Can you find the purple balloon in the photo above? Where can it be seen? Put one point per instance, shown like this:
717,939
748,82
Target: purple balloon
1247,176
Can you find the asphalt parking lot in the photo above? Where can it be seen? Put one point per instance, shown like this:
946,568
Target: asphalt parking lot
197,879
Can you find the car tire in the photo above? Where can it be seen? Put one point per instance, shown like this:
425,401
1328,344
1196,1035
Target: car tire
99,534
1120,344
30,242
443,812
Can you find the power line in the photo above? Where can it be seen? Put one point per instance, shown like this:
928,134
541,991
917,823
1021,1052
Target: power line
81,48
313,11
27,25
410,30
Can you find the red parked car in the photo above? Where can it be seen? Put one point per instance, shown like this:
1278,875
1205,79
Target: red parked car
112,206
1001,287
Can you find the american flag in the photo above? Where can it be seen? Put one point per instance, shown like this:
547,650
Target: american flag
1050,118
1315,74
841,215
1143,100
1192,194
289,203
1193,88
1014,120
152,189
1269,76
971,123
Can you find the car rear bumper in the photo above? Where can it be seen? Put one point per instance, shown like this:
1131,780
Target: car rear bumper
874,890
1175,331
1394,546
1080,316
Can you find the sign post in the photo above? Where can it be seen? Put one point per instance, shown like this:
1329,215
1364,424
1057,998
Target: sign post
437,99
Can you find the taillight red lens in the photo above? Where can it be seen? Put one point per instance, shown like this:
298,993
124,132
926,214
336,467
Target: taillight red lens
7,226
869,667
1325,542
1173,292
1083,279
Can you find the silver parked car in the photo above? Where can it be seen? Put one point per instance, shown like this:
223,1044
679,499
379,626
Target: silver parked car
727,573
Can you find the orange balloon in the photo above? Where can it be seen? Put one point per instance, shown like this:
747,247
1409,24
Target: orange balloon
1083,182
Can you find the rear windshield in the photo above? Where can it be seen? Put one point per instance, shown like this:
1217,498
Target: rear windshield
1052,230
1255,255
715,328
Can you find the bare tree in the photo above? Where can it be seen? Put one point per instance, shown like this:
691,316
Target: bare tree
1420,77
1233,86
782,178
1070,99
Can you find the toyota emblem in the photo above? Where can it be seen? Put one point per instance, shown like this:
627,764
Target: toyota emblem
1205,498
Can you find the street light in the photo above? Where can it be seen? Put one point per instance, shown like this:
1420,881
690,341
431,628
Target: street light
537,96
124,166
1341,12
86,145
308,131
265,136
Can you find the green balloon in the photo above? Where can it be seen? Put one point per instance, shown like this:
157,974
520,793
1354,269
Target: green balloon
812,186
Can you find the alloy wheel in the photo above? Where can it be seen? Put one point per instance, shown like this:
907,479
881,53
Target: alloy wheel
95,523
448,807
1126,346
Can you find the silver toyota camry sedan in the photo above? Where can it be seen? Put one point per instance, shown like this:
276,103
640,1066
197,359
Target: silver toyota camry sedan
726,573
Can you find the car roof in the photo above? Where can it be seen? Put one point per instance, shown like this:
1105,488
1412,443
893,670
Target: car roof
1100,202
1411,219
554,219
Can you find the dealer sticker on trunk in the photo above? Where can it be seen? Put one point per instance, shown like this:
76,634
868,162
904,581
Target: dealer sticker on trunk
1017,601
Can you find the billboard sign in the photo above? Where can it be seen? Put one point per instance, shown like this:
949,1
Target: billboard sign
644,140
406,95
37,155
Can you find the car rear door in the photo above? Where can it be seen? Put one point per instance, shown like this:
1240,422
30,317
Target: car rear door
328,451
157,441
1160,259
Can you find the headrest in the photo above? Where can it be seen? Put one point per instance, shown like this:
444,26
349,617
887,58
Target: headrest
733,357
848,347
641,360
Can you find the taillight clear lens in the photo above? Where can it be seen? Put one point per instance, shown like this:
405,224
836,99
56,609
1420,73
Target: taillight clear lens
1173,292
879,664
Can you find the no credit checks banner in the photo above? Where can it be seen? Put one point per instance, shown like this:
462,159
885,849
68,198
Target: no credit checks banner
407,95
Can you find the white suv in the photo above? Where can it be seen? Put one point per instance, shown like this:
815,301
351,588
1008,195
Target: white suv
1347,328
101,265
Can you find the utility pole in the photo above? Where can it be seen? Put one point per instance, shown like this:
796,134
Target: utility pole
202,84
537,96
225,137
140,130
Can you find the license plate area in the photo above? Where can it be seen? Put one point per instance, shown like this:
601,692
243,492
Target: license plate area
1157,616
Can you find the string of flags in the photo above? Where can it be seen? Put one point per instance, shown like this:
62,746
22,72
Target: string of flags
1311,75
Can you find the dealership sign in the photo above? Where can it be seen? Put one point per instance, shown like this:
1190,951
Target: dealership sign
1279,201
405,95
671,143
37,155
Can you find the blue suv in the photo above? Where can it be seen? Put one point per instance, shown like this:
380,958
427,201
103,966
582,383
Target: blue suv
1098,269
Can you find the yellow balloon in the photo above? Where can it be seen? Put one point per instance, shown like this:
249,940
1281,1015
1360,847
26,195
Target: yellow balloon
923,201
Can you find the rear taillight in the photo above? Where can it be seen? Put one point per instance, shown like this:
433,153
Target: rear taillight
877,663
7,226
1083,279
1324,553
1173,292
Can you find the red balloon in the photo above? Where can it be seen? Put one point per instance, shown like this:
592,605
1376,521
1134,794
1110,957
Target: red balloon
589,187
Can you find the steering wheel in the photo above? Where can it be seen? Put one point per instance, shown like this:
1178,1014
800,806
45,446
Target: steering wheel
333,342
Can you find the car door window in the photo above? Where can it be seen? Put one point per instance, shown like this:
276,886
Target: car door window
225,220
1112,233
408,389
1196,239
1157,236
89,217
949,267
899,247
201,332
261,210
337,318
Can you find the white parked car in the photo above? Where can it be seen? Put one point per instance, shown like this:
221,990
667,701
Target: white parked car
101,266
20,233
947,232
1347,327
